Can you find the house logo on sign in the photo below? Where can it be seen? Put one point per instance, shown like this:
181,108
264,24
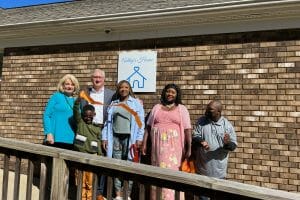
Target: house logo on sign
136,79
139,69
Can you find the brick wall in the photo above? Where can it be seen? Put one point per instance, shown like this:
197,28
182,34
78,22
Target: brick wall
256,76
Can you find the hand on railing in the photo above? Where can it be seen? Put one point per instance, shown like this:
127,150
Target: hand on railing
50,139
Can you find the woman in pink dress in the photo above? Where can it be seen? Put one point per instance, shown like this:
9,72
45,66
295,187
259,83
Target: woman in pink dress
169,127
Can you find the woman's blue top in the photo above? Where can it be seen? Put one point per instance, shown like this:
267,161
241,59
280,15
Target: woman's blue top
58,118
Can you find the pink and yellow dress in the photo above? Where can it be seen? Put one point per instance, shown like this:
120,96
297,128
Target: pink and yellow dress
167,137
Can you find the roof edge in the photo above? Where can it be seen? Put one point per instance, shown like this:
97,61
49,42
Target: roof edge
214,8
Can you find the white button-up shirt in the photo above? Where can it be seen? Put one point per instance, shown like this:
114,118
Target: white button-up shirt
98,96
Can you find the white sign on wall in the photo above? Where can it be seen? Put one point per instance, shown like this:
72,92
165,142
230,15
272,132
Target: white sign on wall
139,69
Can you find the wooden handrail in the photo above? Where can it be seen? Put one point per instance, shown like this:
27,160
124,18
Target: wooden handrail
146,174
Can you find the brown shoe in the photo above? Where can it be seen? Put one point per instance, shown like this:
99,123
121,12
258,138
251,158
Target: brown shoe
100,197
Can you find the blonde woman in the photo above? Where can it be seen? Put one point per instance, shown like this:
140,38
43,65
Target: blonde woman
58,116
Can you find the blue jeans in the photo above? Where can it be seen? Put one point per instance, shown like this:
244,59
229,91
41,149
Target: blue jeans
120,151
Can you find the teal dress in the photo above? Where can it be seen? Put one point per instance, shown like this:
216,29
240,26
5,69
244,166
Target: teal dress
58,118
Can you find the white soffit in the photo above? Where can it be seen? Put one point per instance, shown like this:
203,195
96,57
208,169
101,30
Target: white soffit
144,25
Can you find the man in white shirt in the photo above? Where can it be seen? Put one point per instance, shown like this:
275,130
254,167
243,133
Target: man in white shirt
101,94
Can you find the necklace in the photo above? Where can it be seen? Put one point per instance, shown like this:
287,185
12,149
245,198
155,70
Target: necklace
170,106
71,107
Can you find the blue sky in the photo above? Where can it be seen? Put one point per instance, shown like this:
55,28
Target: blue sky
22,3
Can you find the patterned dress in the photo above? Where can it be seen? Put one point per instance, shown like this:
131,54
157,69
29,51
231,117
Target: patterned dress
167,136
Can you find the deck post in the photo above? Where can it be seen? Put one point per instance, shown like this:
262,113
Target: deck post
60,180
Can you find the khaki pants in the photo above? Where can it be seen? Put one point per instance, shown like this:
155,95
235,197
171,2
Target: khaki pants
87,186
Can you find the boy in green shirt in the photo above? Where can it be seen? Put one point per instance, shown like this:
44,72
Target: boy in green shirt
87,140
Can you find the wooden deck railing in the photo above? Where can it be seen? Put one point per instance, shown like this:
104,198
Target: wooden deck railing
40,157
